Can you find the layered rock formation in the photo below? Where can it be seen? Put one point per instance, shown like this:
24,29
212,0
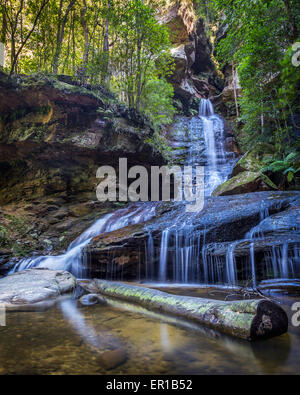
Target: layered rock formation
194,76
124,254
54,135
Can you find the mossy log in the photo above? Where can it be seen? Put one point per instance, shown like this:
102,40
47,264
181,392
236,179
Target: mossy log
246,319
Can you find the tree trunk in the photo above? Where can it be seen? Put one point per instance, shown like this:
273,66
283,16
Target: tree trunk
106,49
292,20
3,35
23,43
245,319
139,66
234,83
85,28
60,33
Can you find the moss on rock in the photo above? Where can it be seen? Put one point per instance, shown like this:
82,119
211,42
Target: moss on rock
245,182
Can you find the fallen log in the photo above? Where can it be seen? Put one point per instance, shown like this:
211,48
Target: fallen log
246,319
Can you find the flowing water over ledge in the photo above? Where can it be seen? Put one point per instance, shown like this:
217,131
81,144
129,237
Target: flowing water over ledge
119,338
182,252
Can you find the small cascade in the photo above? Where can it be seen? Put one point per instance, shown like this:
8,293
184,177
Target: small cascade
218,166
231,265
72,259
163,256
252,258
206,108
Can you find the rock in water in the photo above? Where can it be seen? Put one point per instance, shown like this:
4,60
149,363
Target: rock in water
91,299
35,285
113,358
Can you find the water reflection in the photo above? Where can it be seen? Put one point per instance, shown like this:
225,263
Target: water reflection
120,338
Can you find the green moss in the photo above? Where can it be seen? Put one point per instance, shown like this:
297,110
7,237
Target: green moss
4,236
254,160
18,224
242,182
160,144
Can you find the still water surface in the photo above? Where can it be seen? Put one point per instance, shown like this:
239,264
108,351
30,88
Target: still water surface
119,338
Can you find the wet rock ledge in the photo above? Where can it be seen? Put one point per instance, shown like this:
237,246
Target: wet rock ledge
34,285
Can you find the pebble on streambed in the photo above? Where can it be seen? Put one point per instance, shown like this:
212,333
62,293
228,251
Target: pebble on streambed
91,299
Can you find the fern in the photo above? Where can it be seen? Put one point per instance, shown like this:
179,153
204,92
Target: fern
287,166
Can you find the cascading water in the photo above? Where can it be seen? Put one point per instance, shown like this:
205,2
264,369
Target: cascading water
181,246
218,167
183,255
72,259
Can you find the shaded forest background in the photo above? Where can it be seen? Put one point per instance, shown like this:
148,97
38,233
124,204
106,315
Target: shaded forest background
125,46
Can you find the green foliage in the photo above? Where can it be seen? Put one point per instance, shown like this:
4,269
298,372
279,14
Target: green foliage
289,166
157,102
115,43
258,41
4,236
160,144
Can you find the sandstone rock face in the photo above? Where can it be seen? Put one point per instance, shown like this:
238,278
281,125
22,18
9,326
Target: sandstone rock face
59,134
175,22
54,136
254,160
192,55
34,285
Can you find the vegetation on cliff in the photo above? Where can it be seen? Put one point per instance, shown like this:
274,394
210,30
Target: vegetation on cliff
147,51
258,41
86,40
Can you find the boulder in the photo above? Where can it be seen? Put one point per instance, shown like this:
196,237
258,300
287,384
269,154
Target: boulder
91,299
246,175
34,285
245,182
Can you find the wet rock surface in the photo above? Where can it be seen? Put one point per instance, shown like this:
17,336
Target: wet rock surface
34,285
91,299
123,254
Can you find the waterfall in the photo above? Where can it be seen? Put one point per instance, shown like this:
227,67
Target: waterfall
163,255
182,255
181,246
218,167
72,259
206,108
